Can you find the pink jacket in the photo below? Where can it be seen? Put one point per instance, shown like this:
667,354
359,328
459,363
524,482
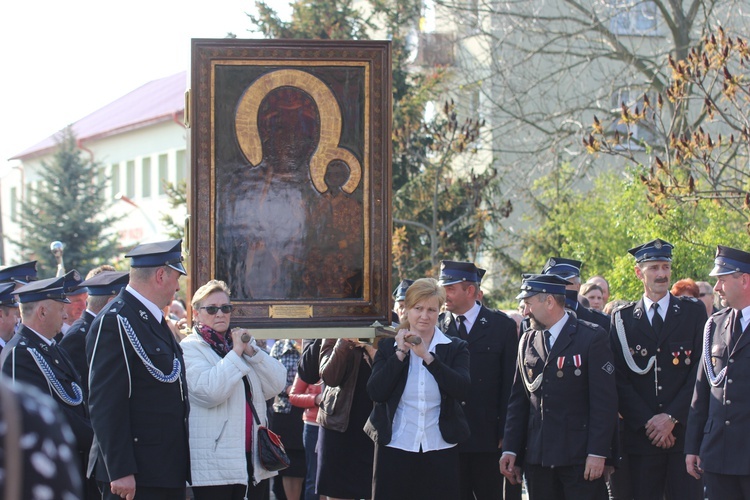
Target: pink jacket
303,395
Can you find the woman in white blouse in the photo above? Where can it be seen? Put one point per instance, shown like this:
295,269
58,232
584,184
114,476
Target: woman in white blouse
417,384
228,380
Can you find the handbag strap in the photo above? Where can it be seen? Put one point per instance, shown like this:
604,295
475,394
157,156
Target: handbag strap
249,399
11,442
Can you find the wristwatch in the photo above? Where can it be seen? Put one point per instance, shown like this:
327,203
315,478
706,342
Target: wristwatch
673,420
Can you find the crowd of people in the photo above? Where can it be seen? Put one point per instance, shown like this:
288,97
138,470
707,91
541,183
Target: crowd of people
576,395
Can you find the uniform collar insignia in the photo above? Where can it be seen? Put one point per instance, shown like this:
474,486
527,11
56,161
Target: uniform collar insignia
637,313
483,320
143,314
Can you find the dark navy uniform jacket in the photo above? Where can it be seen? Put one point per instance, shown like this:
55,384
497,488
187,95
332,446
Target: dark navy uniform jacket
718,428
74,343
668,386
593,316
493,345
569,416
140,422
18,364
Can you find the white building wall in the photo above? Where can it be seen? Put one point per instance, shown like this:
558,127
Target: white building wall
142,218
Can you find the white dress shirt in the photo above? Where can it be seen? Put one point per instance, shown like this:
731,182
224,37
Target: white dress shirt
663,306
470,315
146,303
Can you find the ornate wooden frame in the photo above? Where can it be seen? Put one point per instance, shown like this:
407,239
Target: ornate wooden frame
240,90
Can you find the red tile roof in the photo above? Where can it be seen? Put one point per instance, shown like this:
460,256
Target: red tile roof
157,101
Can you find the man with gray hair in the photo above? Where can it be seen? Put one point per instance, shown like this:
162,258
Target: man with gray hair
563,407
139,399
33,357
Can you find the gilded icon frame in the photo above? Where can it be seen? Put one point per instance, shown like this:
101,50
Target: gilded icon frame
290,186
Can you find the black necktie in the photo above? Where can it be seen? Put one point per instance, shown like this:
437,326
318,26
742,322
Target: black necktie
462,332
167,331
547,341
657,322
737,330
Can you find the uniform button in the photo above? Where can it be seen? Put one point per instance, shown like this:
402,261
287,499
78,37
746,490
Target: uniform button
729,402
658,349
158,349
658,368
731,361
660,405
659,387
463,403
546,410
135,440
726,423
729,381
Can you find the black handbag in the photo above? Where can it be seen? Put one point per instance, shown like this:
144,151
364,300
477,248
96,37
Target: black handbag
271,450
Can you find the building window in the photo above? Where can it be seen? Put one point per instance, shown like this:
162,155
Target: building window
115,179
146,177
163,172
14,204
634,100
181,165
101,176
633,17
130,179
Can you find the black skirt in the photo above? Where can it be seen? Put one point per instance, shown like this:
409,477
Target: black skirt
345,458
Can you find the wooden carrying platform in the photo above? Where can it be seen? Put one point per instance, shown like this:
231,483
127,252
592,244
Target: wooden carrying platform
290,185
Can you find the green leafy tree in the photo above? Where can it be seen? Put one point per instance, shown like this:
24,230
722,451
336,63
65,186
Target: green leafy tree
68,206
599,225
441,209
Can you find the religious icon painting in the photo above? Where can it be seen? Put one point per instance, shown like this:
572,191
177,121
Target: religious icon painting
290,178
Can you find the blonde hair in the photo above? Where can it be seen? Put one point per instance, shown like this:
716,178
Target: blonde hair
422,289
206,290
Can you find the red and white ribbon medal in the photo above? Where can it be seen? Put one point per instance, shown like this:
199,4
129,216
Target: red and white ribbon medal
676,360
577,362
560,364
687,356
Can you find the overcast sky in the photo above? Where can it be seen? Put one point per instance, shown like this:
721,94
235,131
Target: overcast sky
64,60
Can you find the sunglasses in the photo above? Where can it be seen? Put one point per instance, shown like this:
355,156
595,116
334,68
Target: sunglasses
226,309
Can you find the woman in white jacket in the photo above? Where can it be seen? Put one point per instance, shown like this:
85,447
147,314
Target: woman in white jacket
224,376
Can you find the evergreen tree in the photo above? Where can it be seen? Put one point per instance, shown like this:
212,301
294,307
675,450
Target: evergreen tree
68,206
176,197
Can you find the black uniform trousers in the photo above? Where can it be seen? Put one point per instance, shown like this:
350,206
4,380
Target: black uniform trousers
726,487
479,475
493,345
562,483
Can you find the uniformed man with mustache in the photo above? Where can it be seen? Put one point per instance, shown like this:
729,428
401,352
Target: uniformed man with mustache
656,343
